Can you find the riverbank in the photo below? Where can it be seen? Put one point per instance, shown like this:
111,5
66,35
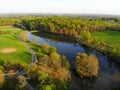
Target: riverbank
106,42
115,57
112,40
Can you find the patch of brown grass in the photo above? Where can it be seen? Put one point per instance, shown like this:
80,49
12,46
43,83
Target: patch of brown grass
2,32
8,50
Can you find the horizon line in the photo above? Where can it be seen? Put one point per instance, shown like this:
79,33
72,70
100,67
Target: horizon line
58,13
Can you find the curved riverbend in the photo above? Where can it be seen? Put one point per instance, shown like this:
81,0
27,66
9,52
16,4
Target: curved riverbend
109,73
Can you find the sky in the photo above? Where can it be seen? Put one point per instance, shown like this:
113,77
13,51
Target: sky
61,6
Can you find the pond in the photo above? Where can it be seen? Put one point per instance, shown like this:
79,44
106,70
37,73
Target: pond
109,73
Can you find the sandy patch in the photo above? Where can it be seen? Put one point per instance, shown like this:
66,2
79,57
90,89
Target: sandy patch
8,50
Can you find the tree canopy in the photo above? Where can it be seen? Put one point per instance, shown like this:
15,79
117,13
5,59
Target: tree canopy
86,66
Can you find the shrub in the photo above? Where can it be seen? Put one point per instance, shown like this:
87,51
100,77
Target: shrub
86,66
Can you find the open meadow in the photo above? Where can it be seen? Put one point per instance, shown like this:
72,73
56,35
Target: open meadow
110,37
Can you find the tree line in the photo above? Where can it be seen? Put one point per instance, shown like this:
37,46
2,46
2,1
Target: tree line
62,24
67,25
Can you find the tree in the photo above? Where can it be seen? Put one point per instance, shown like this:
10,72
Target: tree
64,62
85,37
35,40
52,50
52,27
46,87
2,79
24,36
86,66
33,70
22,82
55,60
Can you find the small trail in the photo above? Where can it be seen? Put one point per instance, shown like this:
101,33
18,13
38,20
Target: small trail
34,57
34,60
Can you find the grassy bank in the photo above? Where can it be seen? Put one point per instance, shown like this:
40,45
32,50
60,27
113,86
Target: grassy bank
110,37
12,50
106,42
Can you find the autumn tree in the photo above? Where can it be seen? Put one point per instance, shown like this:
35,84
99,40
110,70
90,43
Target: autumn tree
2,79
86,66
35,40
21,82
85,37
32,70
64,62
23,36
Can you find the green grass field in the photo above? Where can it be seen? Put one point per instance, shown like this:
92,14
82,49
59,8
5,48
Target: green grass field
8,41
110,37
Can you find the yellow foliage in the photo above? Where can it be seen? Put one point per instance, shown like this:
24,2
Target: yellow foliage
24,36
1,78
33,70
87,66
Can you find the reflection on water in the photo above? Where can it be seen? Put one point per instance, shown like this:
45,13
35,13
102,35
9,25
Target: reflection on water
108,78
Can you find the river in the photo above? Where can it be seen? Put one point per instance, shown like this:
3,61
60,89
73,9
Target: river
109,73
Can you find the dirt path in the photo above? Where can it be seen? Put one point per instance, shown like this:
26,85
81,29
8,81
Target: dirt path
34,60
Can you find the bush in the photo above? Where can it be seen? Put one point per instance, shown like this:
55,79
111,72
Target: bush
86,66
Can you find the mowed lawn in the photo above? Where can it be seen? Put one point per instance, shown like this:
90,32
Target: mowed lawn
110,37
11,49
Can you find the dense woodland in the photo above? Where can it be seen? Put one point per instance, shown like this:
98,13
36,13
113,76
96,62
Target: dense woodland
66,25
62,24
